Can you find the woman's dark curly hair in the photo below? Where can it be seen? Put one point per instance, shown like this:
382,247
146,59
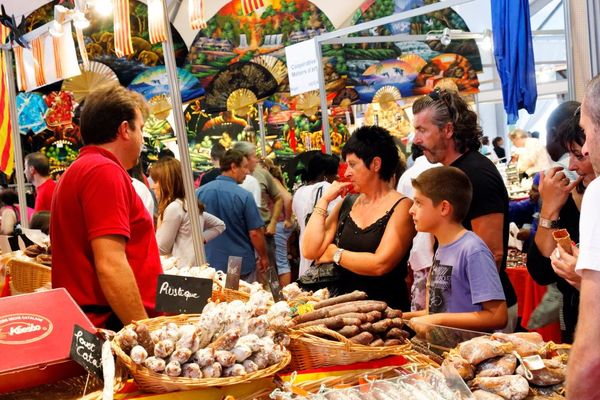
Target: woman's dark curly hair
569,132
368,142
448,106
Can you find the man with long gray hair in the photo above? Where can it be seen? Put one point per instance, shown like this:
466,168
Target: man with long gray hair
448,132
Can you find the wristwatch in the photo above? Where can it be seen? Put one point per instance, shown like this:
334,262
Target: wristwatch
548,223
337,255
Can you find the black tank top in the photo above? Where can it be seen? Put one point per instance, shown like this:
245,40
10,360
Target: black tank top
390,287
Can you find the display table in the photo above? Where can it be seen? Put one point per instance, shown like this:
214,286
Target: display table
529,295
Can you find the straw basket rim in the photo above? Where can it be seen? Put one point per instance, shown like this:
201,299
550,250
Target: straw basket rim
312,351
27,276
309,334
160,383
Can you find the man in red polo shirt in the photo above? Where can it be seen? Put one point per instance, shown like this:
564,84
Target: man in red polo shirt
37,172
104,250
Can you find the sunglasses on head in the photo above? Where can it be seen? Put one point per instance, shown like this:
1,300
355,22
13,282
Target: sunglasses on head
577,112
436,95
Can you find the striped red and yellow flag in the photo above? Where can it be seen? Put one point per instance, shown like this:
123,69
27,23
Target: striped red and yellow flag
56,53
156,22
82,50
37,45
122,28
250,5
7,155
196,9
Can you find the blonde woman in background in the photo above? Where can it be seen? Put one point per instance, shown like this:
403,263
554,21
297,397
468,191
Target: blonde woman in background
174,229
530,154
285,225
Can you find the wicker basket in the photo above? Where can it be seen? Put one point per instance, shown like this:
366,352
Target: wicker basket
150,381
228,295
310,351
27,276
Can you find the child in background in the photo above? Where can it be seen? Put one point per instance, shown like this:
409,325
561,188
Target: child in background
464,289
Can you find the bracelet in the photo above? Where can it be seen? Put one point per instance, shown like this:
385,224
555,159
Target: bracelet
320,211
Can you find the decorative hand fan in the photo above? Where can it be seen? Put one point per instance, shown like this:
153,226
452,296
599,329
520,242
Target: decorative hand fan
160,106
387,96
415,61
447,84
274,65
346,97
97,74
308,103
157,128
251,76
154,82
31,109
240,102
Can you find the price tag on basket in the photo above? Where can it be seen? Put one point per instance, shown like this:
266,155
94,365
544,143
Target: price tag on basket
86,350
182,294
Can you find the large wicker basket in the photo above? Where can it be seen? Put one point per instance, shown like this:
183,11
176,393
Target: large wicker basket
311,351
27,276
150,381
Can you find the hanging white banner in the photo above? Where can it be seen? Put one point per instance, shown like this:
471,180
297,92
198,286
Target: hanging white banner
301,59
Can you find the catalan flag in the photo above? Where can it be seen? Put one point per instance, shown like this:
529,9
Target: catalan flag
156,22
122,28
249,6
7,155
196,10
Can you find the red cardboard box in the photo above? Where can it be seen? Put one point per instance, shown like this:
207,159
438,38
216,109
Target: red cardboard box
35,338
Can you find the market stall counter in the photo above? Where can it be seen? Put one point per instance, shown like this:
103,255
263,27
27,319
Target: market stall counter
241,345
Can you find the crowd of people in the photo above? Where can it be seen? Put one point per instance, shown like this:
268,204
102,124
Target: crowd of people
431,240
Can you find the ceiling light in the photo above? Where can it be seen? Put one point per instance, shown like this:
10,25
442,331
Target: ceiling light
486,42
445,39
56,29
80,21
103,7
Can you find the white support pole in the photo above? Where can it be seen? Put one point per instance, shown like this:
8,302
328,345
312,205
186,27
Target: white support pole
569,44
262,130
323,98
15,135
182,142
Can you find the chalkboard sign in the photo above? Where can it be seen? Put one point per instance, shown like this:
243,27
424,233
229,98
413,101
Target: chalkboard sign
86,350
182,294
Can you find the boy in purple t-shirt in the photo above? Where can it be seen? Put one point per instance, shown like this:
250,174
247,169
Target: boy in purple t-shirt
464,289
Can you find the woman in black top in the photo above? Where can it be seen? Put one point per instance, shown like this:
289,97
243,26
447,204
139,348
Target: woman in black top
561,201
376,235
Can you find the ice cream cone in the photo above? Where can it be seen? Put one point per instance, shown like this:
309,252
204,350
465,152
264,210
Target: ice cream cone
563,239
